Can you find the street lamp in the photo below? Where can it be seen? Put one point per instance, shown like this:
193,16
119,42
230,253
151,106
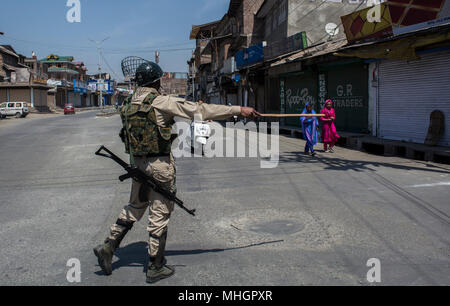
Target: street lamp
99,50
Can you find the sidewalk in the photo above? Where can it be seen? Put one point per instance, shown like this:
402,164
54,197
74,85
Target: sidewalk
384,147
81,109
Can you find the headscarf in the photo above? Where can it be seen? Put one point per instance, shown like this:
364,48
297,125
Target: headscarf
329,101
305,110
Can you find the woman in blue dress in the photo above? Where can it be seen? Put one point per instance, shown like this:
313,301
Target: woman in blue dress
310,128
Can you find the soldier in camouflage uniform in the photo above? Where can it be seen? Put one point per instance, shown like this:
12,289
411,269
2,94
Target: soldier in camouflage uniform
148,118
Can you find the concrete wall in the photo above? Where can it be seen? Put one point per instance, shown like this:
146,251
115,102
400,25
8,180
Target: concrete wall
276,26
51,100
247,11
2,71
313,15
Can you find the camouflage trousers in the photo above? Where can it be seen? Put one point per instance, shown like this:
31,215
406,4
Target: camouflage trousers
163,169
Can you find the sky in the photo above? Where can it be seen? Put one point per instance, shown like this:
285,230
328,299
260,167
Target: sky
134,27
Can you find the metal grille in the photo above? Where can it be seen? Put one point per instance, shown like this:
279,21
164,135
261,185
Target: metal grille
409,92
130,65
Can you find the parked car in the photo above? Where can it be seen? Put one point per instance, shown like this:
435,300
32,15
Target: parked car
2,110
17,109
69,109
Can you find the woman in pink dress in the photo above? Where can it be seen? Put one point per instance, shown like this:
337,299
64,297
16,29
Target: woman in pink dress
329,133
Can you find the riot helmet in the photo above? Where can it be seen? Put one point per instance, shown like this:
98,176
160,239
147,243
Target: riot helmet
141,71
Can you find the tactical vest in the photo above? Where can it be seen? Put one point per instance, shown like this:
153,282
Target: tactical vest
145,138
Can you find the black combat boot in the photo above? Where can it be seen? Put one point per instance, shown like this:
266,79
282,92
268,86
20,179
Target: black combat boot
157,269
105,251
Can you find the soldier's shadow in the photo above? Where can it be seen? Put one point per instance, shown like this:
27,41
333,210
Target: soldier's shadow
136,254
132,255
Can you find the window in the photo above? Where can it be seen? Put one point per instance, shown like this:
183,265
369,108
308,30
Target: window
3,105
10,104
19,104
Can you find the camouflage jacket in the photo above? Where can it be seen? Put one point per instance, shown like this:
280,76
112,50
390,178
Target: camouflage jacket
143,136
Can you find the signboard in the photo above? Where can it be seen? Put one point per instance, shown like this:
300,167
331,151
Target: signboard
79,86
62,83
396,17
413,15
359,27
290,44
92,86
106,87
249,56
347,86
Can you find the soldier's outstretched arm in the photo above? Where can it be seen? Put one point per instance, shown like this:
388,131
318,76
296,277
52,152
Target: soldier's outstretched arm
169,107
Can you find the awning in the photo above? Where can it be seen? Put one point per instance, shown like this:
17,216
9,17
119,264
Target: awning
400,49
322,49
9,67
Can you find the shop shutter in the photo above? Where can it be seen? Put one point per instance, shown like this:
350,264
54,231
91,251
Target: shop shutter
74,98
409,92
20,95
3,95
347,86
299,90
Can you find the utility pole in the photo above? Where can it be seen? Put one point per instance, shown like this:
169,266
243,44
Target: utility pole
193,81
100,78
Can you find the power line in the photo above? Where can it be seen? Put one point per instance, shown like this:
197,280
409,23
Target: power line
152,51
340,23
86,48
112,70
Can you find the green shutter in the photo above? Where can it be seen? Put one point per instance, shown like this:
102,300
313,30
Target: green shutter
347,86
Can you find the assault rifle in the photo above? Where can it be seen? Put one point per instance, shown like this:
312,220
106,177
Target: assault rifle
143,178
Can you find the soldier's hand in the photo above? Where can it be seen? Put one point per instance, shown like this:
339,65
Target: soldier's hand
249,112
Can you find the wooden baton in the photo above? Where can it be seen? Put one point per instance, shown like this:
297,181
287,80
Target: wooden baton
292,115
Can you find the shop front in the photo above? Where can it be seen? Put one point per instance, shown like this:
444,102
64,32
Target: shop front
347,84
344,82
409,91
298,88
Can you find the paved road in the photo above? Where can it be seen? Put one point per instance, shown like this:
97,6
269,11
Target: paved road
310,221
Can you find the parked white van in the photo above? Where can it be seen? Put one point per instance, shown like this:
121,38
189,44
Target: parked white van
18,109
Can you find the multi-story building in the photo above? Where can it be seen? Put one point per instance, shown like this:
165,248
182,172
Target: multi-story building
175,83
35,68
70,79
234,32
22,80
12,66
289,26
200,63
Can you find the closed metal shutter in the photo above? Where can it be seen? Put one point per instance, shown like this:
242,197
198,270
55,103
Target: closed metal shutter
20,95
409,92
3,95
74,98
299,90
348,88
